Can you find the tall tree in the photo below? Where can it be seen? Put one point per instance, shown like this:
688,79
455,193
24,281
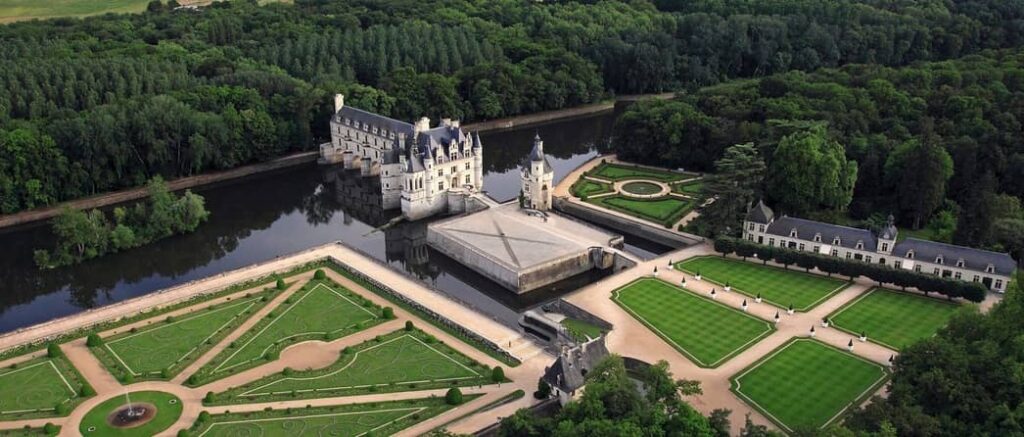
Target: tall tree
809,170
731,189
917,172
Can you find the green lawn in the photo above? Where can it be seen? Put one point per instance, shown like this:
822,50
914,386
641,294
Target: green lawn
704,330
894,319
19,10
663,210
777,286
641,188
28,432
585,188
173,344
806,383
617,172
36,387
168,410
381,418
692,188
399,361
321,310
580,330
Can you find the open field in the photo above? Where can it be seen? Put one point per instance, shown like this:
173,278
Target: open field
402,360
704,330
168,410
617,172
21,10
777,286
663,210
894,319
321,310
36,387
585,188
161,350
806,383
384,418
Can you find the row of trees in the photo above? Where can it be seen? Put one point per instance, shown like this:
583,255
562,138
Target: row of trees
883,274
82,235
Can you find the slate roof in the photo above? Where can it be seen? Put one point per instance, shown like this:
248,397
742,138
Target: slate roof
380,121
974,259
807,229
536,154
760,213
568,372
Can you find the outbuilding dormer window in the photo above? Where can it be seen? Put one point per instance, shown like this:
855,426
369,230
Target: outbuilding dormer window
960,263
860,245
817,238
910,254
792,233
938,260
836,241
990,268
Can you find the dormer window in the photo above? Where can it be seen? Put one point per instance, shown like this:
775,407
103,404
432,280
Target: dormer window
938,260
990,268
836,241
910,254
860,245
817,238
792,233
960,263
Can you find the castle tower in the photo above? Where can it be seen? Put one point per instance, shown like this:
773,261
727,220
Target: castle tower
537,178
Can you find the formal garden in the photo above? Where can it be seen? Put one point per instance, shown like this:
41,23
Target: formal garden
404,360
707,332
321,310
781,287
807,384
660,196
136,414
42,387
894,319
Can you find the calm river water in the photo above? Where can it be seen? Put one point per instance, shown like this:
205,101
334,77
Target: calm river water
274,214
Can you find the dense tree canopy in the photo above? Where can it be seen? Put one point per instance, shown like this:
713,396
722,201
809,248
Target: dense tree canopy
810,171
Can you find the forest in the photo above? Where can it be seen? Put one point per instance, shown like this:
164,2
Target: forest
937,144
108,102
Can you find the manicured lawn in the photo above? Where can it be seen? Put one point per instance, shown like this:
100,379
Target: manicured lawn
168,410
381,418
402,360
36,387
777,286
663,210
584,188
173,344
580,330
618,172
692,188
894,319
322,310
806,383
642,188
14,10
704,330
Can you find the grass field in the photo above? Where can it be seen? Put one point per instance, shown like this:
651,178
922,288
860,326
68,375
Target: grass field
399,361
641,188
664,210
36,387
29,432
704,330
777,286
894,319
806,383
162,350
584,188
168,410
580,330
20,10
321,310
692,188
382,418
617,172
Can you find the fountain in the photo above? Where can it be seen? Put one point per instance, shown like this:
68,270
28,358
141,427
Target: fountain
131,414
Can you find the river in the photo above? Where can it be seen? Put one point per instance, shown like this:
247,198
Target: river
274,214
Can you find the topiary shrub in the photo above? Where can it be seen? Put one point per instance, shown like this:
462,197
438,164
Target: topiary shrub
53,351
93,340
319,274
86,391
127,378
543,390
453,396
408,325
208,399
183,433
280,284
204,416
388,313
50,429
497,374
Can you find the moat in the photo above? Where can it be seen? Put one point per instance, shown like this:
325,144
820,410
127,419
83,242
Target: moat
271,215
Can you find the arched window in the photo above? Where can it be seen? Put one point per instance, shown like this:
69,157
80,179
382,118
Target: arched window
910,254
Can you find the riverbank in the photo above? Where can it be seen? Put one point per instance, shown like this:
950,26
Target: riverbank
115,197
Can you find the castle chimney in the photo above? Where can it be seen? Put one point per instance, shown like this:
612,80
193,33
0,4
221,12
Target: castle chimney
446,122
455,123
339,102
422,124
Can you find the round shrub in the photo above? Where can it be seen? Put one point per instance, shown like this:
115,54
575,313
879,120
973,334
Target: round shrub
50,429
280,284
453,397
53,351
497,374
93,340
408,325
388,313
319,274
208,399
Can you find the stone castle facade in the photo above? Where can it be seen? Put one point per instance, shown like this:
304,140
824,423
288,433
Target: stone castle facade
423,170
537,178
